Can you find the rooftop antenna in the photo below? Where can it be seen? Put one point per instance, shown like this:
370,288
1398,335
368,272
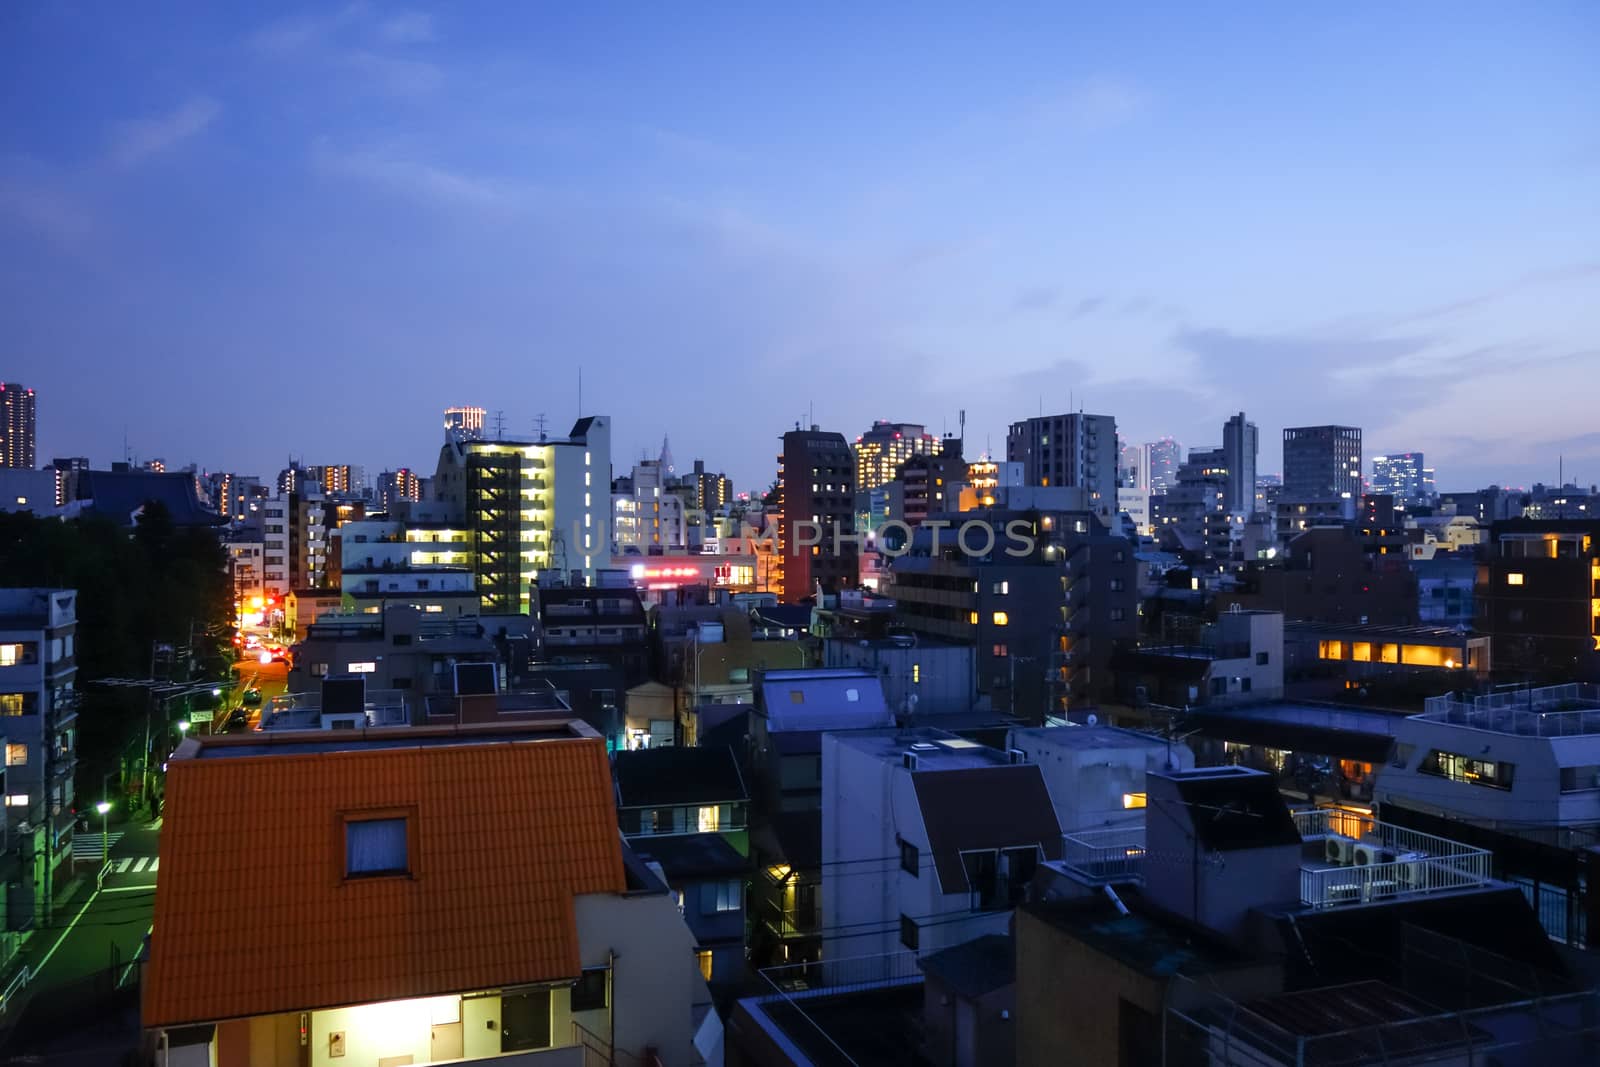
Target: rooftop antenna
499,425
539,424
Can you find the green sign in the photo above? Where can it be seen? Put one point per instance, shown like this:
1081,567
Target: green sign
199,716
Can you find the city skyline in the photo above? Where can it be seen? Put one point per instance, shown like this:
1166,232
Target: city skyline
470,211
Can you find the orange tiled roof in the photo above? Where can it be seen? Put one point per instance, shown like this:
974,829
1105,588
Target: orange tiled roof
253,915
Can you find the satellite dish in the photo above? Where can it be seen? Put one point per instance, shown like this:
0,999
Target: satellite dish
1092,719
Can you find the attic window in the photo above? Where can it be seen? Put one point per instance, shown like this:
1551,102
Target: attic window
375,847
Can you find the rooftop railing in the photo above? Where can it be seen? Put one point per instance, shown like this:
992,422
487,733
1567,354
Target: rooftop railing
1569,710
1105,855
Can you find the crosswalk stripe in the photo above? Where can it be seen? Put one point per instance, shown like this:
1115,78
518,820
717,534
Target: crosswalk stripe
156,863
139,866
122,864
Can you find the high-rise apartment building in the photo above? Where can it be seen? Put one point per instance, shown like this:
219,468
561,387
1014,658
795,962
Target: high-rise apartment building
1240,446
881,450
1073,450
1403,475
339,478
17,430
816,497
1152,466
397,485
463,422
646,515
1322,463
709,492
530,507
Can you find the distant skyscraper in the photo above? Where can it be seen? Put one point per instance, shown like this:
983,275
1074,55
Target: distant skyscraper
667,467
881,450
1322,463
466,423
1073,450
16,426
1403,475
338,478
1151,467
1240,446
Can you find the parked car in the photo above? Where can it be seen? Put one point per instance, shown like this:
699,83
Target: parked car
251,698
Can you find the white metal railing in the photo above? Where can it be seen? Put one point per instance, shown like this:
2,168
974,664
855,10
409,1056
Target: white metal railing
18,983
1105,855
100,876
1408,875
1547,711
1325,822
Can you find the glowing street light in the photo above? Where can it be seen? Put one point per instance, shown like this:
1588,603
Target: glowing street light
104,808
183,727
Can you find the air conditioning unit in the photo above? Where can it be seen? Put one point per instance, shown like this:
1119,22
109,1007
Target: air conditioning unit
1412,872
1368,854
1340,850
1016,755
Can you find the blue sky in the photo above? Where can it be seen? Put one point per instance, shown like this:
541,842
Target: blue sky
243,235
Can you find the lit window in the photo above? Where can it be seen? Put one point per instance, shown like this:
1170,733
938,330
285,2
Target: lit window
10,655
375,847
972,617
365,667
16,755
1515,578
710,820
703,956
15,704
1001,618
16,800
1133,800
916,672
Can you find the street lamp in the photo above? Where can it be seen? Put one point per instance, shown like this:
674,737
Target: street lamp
183,727
104,808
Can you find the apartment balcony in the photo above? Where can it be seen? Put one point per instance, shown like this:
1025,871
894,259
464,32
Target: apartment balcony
1347,858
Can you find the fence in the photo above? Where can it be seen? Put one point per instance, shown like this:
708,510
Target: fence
1105,855
1549,711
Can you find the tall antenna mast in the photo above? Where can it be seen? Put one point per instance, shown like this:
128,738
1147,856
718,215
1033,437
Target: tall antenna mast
580,392
499,425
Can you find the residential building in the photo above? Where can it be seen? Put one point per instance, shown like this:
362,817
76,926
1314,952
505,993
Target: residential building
816,504
1095,774
1069,450
1568,501
338,479
1325,575
880,452
969,827
1538,597
710,493
354,848
275,542
1485,505
67,469
1445,591
530,508
684,809
1404,476
927,484
246,550
1240,447
922,675
36,492
985,478
38,716
1516,772
1431,535
1322,463
397,485
604,622
463,423
1135,504
381,566
1360,652
400,649
301,608
646,514
793,709
1239,659
18,428
307,526
1194,510
1043,622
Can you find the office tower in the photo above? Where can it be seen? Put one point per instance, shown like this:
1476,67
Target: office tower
1322,463
1240,445
881,450
816,495
17,428
1074,451
465,423
397,485
529,510
1403,475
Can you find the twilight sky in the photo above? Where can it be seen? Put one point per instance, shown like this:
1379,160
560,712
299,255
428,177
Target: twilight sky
240,238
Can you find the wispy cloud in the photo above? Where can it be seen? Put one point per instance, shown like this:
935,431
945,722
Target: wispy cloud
42,206
136,140
1091,106
300,33
413,177
409,27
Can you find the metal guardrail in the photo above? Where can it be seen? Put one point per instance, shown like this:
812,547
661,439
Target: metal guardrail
1409,875
100,877
15,986
1105,855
